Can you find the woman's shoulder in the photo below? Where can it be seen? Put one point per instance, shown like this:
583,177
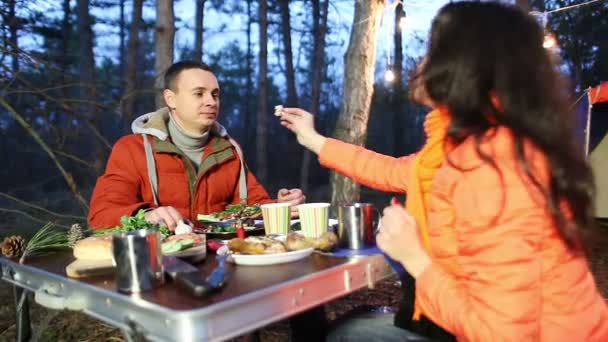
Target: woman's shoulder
497,144
493,160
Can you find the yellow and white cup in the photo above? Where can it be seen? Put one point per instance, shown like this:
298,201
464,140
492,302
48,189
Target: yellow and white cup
277,218
314,218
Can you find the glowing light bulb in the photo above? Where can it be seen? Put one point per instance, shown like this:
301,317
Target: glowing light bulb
389,75
549,42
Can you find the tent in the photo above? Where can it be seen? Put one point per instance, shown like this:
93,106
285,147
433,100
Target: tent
598,158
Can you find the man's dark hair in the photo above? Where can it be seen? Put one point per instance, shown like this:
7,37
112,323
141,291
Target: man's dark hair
174,70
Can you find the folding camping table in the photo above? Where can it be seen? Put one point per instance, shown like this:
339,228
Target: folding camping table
253,297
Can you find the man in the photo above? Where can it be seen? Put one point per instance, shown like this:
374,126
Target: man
179,162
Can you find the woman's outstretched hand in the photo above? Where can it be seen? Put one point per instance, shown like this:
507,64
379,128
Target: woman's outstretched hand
302,123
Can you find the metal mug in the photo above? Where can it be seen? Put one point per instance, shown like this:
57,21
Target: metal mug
138,259
356,225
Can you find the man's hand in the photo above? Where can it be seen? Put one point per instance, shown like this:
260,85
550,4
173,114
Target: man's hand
169,215
293,197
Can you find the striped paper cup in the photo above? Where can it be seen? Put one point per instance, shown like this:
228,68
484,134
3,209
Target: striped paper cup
277,218
313,218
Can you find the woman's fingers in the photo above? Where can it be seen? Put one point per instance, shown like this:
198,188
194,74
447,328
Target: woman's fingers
295,111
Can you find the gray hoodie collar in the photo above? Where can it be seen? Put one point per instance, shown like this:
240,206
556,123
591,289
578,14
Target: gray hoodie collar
155,124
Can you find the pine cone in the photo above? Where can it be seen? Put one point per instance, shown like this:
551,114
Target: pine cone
13,246
74,234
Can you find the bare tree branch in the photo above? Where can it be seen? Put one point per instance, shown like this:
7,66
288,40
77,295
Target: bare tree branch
27,204
23,213
66,175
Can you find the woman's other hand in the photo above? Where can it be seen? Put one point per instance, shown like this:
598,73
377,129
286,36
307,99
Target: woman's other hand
398,237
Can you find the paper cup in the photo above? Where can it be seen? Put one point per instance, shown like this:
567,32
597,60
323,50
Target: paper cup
277,218
313,219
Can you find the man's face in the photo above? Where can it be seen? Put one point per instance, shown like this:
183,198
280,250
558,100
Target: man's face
195,100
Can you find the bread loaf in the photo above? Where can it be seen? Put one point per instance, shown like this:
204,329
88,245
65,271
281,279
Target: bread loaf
94,248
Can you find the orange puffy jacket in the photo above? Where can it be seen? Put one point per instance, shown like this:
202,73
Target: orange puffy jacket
500,271
125,186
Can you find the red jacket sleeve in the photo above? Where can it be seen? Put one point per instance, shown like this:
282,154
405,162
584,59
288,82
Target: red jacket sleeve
377,171
118,191
499,225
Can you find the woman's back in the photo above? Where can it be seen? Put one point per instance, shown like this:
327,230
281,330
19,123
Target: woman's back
503,271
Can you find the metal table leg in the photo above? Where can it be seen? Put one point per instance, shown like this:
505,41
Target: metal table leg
22,314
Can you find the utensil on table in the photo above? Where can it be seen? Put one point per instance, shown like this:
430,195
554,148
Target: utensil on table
356,225
138,259
190,277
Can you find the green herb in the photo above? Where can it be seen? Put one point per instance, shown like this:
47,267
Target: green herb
48,238
222,228
135,222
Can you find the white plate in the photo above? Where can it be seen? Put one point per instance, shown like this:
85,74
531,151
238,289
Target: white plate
265,259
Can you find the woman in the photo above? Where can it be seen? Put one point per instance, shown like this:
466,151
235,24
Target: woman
499,198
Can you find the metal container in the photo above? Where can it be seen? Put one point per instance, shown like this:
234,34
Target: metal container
356,225
139,260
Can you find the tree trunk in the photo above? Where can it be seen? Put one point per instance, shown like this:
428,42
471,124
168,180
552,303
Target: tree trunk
262,112
87,62
292,96
66,33
164,37
122,33
359,70
128,106
317,66
199,29
249,112
399,119
293,148
13,24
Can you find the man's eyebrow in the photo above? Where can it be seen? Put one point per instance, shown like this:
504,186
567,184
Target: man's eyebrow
203,89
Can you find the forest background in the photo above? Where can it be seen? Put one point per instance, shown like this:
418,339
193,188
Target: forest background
75,73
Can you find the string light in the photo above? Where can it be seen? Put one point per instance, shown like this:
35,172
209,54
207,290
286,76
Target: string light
389,75
549,42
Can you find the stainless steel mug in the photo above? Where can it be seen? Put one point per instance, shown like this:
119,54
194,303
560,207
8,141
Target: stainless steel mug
138,259
356,225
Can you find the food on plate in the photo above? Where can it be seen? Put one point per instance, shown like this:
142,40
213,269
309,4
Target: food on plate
183,228
94,248
326,242
197,239
256,245
180,242
222,228
232,212
293,242
135,222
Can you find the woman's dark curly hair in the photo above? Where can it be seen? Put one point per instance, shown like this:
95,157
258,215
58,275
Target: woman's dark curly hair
480,51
